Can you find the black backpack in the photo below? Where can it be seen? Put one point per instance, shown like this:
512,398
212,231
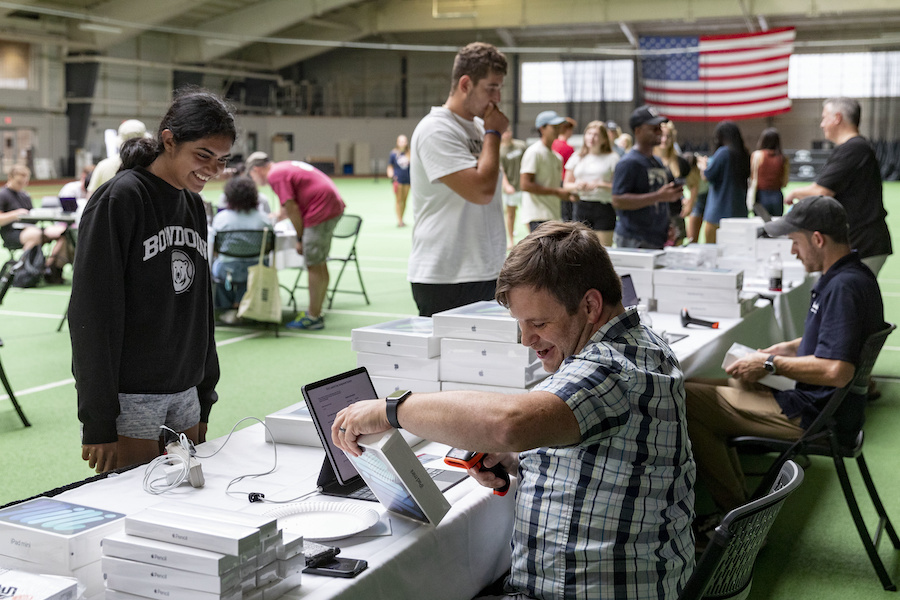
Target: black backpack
29,269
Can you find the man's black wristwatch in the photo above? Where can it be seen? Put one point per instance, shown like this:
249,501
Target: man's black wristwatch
769,365
392,402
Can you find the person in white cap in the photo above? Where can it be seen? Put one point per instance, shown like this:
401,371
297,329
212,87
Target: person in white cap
107,168
541,175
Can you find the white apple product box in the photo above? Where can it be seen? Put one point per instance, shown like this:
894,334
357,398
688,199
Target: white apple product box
776,382
709,309
289,567
385,386
766,247
277,589
267,574
398,479
267,525
634,257
642,280
692,255
672,293
404,337
20,584
740,230
206,534
490,363
56,533
486,320
291,546
730,249
451,386
156,589
710,278
131,547
428,369
154,573
292,425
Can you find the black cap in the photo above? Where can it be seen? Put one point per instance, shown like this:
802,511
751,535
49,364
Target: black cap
643,115
813,213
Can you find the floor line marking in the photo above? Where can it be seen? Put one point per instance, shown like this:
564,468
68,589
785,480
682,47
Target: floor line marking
16,313
40,388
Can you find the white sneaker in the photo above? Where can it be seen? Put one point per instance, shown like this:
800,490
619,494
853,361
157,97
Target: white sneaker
229,317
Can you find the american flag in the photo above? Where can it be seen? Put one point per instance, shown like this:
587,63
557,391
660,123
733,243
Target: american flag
716,77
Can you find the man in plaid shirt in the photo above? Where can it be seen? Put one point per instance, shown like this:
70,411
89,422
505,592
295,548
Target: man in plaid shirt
600,448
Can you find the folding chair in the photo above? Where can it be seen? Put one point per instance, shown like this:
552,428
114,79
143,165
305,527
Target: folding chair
725,570
6,276
822,439
347,229
243,243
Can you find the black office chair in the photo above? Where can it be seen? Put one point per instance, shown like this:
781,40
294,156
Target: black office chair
725,570
244,243
347,229
6,276
822,439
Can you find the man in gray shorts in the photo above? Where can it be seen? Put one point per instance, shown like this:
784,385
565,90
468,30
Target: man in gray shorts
311,201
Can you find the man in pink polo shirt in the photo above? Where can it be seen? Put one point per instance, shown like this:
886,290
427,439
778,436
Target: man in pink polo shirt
312,203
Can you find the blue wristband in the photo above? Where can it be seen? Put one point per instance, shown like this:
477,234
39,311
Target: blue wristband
494,131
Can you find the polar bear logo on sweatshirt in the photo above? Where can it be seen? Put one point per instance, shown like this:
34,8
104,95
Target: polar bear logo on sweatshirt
182,271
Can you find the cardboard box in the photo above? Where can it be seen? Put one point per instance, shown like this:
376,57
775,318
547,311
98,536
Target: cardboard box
708,278
132,547
404,337
206,534
56,533
385,386
156,574
688,294
484,320
428,369
20,584
635,257
709,309
293,425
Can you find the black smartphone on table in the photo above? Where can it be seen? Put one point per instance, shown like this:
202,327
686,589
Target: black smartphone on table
339,567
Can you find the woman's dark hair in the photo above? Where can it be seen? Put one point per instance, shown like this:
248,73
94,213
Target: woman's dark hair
194,114
728,134
769,140
241,194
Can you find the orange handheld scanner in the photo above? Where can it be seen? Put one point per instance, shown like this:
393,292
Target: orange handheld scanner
467,459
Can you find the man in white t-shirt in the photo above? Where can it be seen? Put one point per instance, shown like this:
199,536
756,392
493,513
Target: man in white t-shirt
459,241
541,175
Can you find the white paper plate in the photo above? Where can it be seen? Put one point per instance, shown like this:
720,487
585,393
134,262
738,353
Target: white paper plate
324,520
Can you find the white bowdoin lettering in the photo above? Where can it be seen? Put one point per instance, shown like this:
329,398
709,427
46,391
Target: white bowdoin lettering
173,236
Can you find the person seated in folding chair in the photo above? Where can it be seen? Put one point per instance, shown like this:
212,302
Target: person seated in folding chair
312,202
230,272
846,308
14,204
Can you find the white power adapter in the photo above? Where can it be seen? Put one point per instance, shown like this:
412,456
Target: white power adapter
188,462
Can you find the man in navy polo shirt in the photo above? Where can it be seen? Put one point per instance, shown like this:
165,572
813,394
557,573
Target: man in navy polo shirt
845,309
642,189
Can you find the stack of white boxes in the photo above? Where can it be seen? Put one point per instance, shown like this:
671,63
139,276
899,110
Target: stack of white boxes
49,536
399,355
640,264
178,551
741,247
481,350
703,292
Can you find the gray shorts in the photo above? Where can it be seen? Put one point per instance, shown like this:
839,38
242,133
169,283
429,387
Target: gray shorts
141,415
317,241
514,199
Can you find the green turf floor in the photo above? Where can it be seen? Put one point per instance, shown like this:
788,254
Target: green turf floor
812,553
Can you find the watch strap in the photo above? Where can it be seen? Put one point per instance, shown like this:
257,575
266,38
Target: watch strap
392,402
770,364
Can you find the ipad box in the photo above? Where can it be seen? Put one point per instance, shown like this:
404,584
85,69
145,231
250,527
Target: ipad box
709,309
486,320
169,576
692,255
165,554
206,534
398,479
404,337
740,230
696,277
451,386
267,526
292,425
776,382
766,247
490,363
428,369
385,386
56,533
155,589
689,294
635,257
20,584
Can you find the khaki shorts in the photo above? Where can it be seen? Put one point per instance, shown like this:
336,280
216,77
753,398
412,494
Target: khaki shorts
317,241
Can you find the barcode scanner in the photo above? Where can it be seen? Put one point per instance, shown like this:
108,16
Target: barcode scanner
687,319
467,459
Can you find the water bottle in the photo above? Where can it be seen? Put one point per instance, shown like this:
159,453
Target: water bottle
775,270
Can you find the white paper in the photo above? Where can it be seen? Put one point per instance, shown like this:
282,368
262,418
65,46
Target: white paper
776,382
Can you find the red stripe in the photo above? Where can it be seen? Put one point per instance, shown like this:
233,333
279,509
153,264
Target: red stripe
742,75
710,102
735,116
728,91
787,45
735,36
755,61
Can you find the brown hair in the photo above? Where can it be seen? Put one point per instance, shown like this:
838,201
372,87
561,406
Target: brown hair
477,60
567,260
605,145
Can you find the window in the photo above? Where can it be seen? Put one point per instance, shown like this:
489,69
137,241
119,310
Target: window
15,64
855,74
578,81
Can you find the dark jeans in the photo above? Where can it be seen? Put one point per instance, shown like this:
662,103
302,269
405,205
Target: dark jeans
437,297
